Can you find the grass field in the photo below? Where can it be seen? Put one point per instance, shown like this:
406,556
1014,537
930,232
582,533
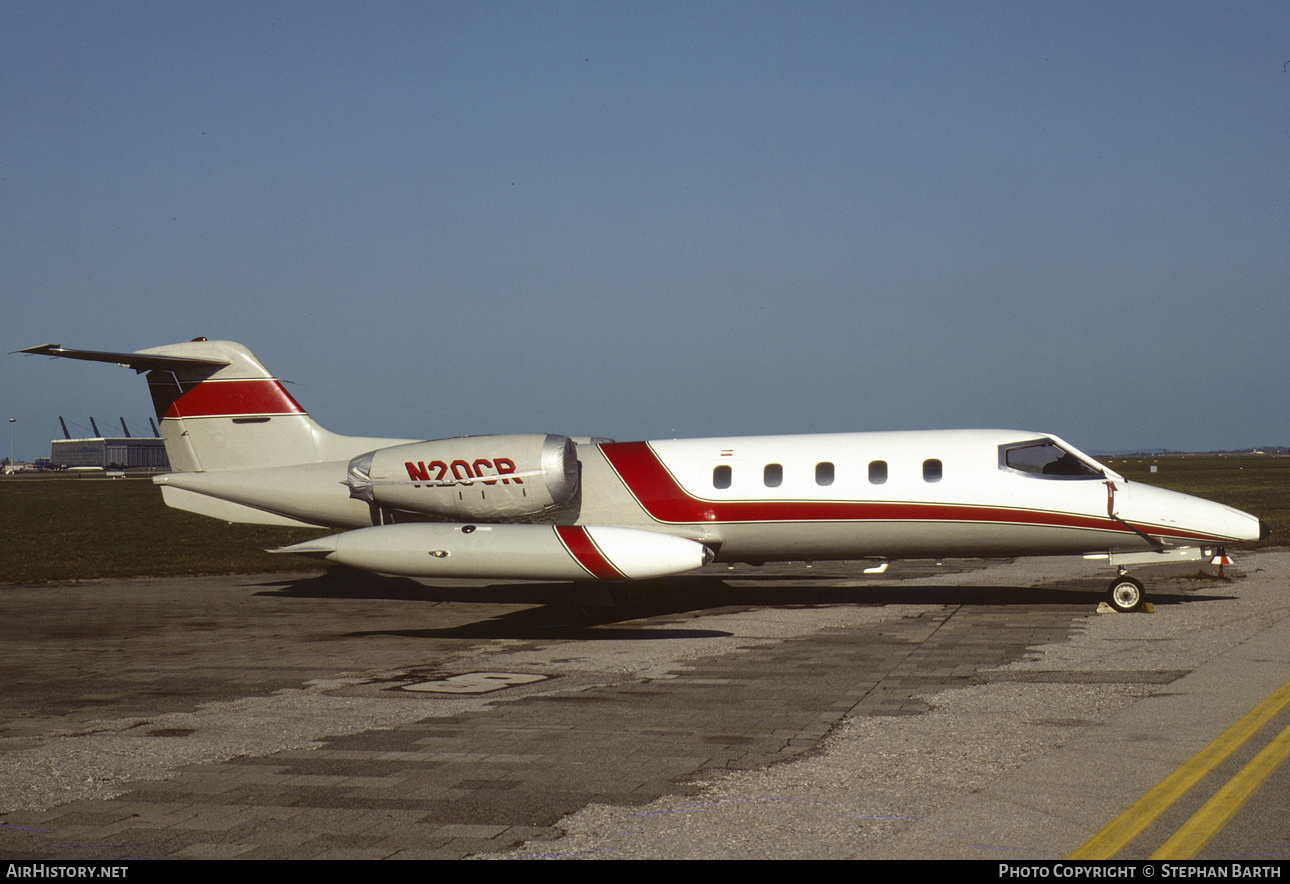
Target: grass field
91,527
83,528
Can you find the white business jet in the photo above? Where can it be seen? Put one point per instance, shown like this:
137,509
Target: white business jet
543,506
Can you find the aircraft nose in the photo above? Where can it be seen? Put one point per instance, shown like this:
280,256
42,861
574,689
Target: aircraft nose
1265,530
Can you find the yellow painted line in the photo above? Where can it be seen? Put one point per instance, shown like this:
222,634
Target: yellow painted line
1116,835
1210,819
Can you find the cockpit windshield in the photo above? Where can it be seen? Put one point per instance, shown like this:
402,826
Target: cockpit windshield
1043,457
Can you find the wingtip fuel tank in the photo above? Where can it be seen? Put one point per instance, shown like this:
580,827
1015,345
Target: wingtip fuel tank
541,552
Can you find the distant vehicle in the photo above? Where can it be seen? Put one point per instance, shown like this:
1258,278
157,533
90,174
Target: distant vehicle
544,506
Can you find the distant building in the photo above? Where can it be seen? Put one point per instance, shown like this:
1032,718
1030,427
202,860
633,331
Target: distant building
125,453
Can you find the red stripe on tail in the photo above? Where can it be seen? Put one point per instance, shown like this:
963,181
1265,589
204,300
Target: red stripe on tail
222,398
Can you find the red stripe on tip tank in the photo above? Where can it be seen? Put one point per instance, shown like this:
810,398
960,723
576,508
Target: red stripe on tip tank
585,552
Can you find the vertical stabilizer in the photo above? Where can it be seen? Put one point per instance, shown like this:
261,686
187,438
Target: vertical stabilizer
226,411
220,409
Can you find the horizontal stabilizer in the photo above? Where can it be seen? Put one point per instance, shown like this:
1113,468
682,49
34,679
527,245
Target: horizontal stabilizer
140,362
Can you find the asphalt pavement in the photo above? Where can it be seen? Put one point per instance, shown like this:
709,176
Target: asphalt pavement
976,709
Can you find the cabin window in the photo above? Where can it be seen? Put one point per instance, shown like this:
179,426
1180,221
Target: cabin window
932,470
824,473
721,476
773,475
877,472
1045,458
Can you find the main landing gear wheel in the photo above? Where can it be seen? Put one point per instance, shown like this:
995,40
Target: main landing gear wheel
1125,594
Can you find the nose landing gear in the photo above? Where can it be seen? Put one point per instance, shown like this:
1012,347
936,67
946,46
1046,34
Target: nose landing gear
1125,594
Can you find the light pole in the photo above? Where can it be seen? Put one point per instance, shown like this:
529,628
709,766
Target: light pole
11,420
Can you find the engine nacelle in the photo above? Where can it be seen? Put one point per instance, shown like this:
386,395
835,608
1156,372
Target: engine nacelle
470,477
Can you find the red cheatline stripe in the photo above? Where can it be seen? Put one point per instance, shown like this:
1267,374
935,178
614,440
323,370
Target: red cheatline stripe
585,552
665,500
225,398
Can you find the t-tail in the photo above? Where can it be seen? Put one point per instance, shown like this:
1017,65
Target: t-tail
224,419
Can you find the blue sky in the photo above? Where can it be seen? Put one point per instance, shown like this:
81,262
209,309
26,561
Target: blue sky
642,220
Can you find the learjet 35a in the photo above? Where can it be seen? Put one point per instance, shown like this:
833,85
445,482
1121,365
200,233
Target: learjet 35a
543,506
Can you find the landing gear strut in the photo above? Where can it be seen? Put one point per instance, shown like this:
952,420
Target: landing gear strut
1125,594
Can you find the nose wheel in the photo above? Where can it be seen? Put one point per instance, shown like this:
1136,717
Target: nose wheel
1125,594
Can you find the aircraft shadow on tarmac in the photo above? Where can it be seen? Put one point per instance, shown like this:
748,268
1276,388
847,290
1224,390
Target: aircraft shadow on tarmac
554,612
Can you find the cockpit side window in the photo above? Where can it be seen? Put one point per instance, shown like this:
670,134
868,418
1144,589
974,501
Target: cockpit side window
1046,459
